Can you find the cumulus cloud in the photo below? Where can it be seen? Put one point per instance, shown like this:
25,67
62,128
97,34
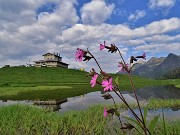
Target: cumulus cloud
159,27
24,37
161,3
96,12
137,15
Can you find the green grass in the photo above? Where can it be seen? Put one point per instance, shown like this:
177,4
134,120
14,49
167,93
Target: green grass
26,120
23,83
178,86
20,119
32,76
160,103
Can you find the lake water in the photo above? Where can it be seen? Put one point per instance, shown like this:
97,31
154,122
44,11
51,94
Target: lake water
162,92
84,101
93,98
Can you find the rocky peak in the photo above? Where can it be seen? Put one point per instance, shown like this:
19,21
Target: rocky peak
172,56
154,61
156,67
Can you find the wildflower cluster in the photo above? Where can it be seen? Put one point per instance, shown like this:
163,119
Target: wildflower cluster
109,84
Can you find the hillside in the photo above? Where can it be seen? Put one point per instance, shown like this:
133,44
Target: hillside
32,76
41,76
173,74
30,83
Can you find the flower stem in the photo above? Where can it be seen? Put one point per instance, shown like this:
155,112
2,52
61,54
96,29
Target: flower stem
132,85
94,59
116,108
112,97
122,98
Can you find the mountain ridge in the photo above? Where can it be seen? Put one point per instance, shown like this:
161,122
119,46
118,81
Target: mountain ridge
157,67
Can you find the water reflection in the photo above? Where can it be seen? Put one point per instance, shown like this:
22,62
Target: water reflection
11,102
93,98
162,92
53,105
169,113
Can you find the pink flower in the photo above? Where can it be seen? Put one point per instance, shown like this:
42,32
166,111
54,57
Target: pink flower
144,56
107,84
105,112
102,46
79,54
122,69
93,80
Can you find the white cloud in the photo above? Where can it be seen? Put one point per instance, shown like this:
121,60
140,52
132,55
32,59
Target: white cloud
137,15
163,38
134,42
96,12
159,27
65,14
22,36
161,3
157,48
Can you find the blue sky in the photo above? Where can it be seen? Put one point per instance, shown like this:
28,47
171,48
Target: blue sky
34,27
123,9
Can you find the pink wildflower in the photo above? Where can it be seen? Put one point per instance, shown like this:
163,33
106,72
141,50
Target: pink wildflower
102,46
107,84
105,112
144,56
79,54
93,80
122,69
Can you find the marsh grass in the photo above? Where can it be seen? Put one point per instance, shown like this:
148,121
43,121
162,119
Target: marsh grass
30,120
152,104
160,103
20,119
178,86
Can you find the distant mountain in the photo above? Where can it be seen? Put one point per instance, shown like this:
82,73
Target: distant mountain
157,67
154,62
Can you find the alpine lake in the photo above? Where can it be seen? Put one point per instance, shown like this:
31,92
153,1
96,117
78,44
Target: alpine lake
83,102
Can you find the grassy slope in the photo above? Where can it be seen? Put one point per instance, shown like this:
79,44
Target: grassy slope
55,83
31,76
17,76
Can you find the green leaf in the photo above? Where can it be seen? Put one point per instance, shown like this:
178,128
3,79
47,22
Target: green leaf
145,114
153,123
134,121
164,124
117,80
